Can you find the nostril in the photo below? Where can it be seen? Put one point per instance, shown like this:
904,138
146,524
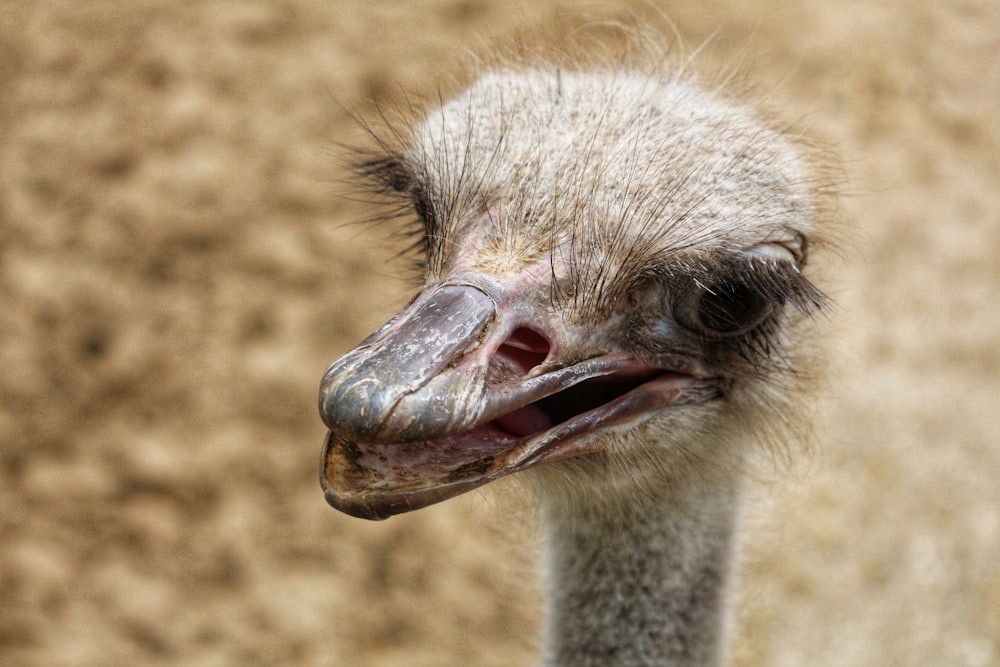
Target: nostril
523,350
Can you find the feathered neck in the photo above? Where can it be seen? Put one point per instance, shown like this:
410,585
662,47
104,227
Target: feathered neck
642,582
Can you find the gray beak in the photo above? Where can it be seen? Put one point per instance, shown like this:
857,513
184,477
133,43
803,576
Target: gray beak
448,396
406,382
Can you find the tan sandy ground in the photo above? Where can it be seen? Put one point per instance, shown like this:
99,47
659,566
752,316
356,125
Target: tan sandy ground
175,274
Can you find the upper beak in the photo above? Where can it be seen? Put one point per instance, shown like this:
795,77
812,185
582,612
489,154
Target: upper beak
405,381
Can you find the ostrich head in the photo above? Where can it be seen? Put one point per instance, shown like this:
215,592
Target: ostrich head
614,286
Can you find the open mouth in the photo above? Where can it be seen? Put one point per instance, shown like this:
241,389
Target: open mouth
525,350
561,407
449,396
377,480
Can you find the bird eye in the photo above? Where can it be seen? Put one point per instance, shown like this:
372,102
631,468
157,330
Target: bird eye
728,308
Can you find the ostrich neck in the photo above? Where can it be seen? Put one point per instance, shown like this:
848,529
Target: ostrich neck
638,583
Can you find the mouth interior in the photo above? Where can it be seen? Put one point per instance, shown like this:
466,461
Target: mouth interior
562,406
526,349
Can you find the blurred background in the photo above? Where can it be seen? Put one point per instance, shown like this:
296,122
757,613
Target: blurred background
177,268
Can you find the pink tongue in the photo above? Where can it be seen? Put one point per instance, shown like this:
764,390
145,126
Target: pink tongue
525,421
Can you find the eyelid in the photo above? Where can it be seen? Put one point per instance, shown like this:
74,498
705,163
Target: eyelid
771,251
790,246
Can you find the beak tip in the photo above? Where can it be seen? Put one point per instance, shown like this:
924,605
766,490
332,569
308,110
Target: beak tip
355,406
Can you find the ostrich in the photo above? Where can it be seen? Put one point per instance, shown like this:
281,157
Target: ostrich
615,306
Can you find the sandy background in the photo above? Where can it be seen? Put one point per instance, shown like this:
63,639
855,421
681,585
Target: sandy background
175,274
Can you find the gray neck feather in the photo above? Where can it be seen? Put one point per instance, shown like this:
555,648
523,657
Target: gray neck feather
639,583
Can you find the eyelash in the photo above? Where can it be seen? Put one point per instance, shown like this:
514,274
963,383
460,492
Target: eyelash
779,287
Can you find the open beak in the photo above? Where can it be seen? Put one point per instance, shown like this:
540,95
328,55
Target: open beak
461,388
